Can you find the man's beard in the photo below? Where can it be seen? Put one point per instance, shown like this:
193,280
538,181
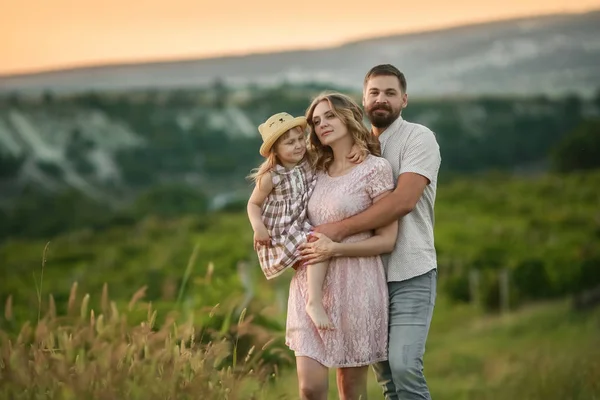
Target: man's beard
382,121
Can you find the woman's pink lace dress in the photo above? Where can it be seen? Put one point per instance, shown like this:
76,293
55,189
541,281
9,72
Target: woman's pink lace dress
355,292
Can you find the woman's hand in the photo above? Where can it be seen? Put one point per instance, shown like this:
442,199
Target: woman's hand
318,248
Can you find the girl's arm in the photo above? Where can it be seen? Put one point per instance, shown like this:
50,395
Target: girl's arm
324,248
261,190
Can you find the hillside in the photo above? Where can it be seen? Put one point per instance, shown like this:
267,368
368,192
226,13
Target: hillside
112,149
551,55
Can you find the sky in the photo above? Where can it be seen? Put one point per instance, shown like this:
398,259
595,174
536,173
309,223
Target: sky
37,35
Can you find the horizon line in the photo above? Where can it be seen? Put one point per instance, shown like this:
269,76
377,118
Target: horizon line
240,54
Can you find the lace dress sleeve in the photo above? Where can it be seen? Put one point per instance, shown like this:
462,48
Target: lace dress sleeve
380,177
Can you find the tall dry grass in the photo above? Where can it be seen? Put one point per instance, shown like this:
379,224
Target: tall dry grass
104,355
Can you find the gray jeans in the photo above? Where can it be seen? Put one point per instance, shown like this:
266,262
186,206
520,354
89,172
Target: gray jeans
411,307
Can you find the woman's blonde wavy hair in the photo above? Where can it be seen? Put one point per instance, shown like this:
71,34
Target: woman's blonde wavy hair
351,115
271,161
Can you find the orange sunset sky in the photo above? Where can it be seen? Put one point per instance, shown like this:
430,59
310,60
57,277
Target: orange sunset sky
49,34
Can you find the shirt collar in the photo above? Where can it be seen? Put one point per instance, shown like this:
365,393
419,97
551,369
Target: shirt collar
280,169
395,126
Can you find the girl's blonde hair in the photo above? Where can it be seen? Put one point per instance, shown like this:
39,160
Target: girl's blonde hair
351,115
271,161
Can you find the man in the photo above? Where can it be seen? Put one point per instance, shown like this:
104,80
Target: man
414,153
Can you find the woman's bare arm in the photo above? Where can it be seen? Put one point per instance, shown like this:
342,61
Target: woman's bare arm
383,241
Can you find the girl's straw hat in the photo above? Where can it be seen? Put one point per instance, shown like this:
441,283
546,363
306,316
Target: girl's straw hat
273,128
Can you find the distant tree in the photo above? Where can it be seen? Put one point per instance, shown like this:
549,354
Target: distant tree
9,165
170,200
79,143
153,96
50,168
180,98
39,214
579,150
541,99
48,97
91,100
220,92
14,100
573,105
77,151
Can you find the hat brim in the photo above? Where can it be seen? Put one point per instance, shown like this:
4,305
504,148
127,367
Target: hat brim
265,149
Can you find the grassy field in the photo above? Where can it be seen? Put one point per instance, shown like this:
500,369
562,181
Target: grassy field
184,335
545,351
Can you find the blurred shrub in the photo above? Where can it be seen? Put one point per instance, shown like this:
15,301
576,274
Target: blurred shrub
580,149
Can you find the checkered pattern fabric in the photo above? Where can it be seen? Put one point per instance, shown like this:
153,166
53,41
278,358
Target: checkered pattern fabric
284,213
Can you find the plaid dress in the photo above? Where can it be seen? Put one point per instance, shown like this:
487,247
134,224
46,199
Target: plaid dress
284,213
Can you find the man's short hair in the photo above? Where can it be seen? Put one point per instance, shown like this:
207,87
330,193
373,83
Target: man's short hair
387,70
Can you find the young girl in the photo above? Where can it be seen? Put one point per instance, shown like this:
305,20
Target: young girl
277,208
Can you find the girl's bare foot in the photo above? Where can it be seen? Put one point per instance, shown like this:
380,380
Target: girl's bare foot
317,313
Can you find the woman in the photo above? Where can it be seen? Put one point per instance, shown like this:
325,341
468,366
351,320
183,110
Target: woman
355,290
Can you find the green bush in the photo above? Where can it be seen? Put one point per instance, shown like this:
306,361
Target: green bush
580,149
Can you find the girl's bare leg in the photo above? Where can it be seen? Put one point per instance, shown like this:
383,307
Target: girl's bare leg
313,379
316,277
352,383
